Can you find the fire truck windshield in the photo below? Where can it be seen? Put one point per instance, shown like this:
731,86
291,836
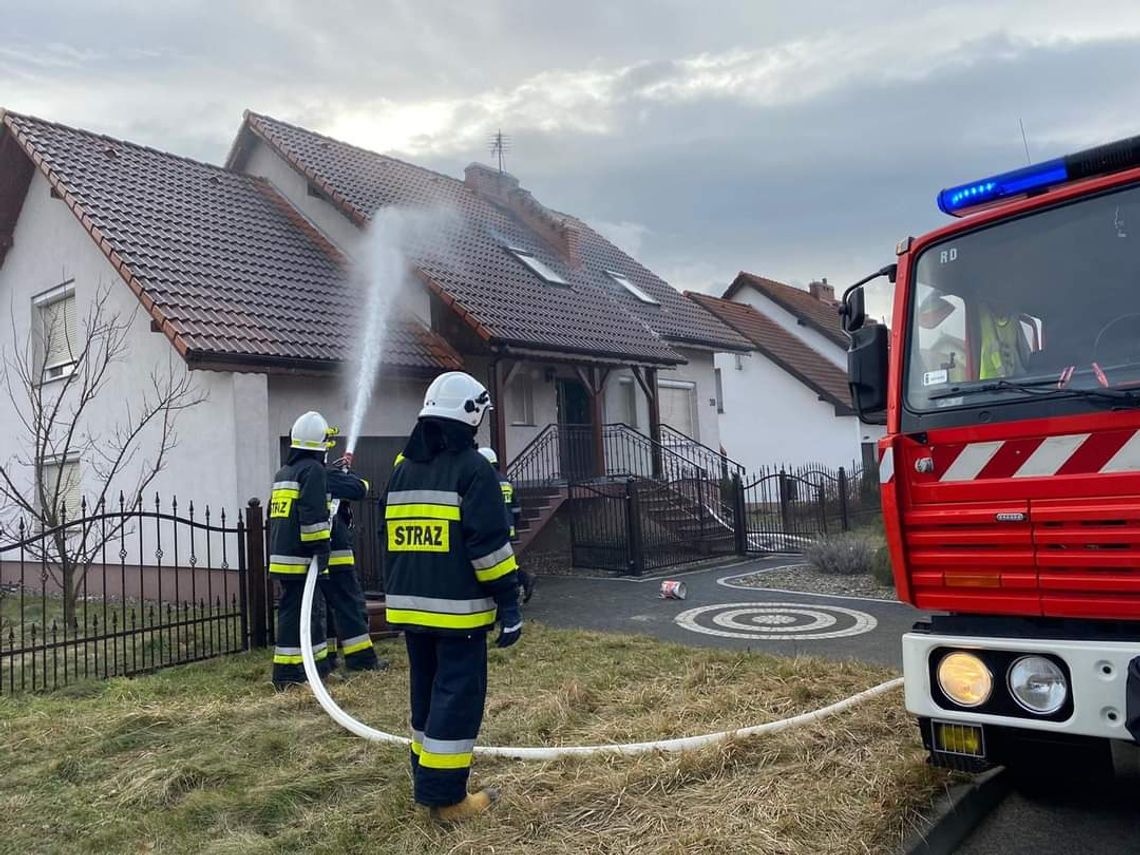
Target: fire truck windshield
1029,310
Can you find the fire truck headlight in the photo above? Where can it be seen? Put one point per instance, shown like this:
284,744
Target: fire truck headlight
1038,684
965,679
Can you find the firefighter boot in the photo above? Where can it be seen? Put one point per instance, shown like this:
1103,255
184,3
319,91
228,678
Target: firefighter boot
473,805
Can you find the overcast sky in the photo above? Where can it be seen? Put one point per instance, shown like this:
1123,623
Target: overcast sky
792,139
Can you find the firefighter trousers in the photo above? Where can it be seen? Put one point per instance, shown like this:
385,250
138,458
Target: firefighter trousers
347,619
287,664
448,689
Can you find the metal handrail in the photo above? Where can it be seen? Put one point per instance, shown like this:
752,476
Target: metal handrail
539,462
723,461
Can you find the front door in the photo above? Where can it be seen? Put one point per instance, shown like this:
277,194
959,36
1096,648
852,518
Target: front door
576,431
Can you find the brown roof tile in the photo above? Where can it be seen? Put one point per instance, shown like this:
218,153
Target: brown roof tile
783,348
226,267
502,299
820,316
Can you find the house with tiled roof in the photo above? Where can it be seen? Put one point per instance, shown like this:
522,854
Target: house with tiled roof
247,276
787,400
564,326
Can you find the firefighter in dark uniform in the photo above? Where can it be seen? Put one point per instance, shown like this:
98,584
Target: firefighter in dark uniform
299,530
347,616
449,577
514,512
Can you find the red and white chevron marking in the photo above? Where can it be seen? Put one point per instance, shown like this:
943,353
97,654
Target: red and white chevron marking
1040,457
886,465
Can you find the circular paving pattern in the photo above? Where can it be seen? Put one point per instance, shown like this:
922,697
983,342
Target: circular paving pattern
776,621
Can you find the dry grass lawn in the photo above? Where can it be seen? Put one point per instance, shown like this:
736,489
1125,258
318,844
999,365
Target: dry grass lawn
206,758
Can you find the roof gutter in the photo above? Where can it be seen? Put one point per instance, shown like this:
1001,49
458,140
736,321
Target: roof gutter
591,357
205,360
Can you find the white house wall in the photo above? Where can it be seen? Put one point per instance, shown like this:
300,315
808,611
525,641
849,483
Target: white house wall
816,341
771,418
395,404
49,247
265,163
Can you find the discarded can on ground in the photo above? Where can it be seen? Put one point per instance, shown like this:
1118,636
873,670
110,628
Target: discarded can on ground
672,590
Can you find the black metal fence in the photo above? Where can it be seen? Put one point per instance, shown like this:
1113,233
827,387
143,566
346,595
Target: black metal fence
644,505
638,525
129,589
635,525
784,508
367,523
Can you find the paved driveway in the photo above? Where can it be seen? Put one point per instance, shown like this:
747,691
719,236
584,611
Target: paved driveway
715,614
1095,820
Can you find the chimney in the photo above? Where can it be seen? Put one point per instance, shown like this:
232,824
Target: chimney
502,189
822,291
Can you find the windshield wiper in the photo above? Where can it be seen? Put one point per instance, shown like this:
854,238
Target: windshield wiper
996,386
1033,387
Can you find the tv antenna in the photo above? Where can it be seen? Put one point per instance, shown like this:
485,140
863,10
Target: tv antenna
500,144
1024,140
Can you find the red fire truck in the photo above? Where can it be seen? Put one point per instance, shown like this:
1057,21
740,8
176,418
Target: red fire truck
1009,384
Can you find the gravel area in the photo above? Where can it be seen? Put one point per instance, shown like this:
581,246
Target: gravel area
803,577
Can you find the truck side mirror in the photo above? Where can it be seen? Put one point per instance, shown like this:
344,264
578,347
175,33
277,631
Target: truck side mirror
867,372
853,311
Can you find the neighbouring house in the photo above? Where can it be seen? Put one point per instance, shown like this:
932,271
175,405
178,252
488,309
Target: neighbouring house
243,276
787,400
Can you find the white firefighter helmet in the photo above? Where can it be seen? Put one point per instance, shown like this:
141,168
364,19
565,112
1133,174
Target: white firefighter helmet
458,396
489,453
310,432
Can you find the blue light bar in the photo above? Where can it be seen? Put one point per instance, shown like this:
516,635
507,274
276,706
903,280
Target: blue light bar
1038,176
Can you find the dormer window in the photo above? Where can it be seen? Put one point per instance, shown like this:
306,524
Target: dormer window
537,266
624,282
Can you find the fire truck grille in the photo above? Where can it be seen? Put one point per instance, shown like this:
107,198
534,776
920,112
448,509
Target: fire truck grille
973,556
1059,558
1088,556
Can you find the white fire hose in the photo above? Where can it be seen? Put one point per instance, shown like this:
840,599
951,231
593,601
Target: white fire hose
684,743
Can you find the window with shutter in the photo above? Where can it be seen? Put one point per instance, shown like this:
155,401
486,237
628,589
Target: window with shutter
56,347
62,487
677,407
520,400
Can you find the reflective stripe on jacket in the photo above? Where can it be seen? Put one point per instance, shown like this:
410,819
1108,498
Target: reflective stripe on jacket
510,501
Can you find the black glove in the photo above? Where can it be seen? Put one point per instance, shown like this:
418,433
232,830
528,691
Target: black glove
510,625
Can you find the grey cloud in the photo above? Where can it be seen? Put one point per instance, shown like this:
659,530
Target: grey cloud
704,180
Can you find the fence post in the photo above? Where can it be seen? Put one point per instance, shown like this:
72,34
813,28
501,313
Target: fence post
636,562
844,519
785,505
740,512
255,571
243,579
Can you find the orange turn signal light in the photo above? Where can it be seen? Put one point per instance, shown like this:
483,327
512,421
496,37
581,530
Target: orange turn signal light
972,580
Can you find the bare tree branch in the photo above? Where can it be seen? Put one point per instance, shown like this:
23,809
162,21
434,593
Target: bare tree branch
56,416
